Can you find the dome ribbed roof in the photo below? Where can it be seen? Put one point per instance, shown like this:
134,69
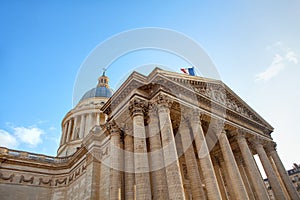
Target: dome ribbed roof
102,89
97,92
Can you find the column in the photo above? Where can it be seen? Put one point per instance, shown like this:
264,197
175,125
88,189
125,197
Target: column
244,175
220,178
232,168
64,133
157,166
88,124
173,174
115,153
70,122
282,172
190,159
82,126
255,177
129,167
75,128
141,166
97,119
210,180
276,188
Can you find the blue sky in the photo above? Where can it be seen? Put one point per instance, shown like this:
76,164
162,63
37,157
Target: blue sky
255,46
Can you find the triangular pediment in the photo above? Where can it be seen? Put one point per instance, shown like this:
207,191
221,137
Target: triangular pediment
216,91
210,90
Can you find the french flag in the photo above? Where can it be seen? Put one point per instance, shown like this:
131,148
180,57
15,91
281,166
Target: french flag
189,71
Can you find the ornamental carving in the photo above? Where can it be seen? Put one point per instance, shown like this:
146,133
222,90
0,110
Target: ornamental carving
42,182
164,100
112,127
10,178
22,179
61,182
137,107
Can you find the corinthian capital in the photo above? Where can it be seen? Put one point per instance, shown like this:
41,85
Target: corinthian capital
112,127
137,107
164,100
271,146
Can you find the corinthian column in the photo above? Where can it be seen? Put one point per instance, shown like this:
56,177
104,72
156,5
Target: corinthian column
82,126
210,179
75,128
282,172
190,159
115,153
274,182
157,166
251,167
141,166
69,130
129,167
174,180
237,184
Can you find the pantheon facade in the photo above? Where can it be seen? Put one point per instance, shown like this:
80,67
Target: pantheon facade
161,136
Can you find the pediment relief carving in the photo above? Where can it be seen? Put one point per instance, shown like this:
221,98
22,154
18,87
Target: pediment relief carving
218,93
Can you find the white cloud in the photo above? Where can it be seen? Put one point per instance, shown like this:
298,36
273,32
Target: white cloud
30,135
291,57
274,69
278,64
7,139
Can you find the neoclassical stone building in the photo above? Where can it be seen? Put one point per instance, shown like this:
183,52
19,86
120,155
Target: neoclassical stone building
161,136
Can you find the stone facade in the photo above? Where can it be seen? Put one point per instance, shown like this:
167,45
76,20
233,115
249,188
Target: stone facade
162,136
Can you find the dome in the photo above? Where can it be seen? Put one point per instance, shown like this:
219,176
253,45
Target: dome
102,89
97,92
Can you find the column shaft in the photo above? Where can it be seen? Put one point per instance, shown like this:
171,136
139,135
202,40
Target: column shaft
82,126
129,167
115,153
210,180
190,159
75,128
232,168
276,188
157,167
141,164
69,130
175,186
255,176
283,174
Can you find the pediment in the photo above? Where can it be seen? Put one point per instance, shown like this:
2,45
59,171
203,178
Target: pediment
210,90
217,92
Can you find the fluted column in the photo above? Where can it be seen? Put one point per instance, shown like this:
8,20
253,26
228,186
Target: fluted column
174,179
157,167
69,130
282,172
88,123
274,182
232,168
116,165
251,166
129,167
82,126
141,165
64,133
210,180
241,165
190,159
75,128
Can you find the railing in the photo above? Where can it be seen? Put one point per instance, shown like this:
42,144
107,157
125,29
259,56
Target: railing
32,156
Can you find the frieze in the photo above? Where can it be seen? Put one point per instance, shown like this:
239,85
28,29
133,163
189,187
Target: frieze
10,178
22,179
42,182
61,182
